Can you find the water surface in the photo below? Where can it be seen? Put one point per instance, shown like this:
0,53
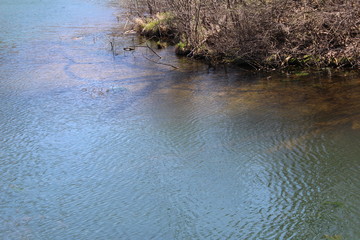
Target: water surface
99,143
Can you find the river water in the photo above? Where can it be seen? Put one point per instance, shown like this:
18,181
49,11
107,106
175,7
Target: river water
100,143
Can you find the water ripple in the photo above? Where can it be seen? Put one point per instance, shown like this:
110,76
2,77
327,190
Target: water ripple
106,146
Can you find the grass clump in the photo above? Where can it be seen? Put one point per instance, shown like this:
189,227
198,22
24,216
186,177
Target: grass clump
182,49
159,26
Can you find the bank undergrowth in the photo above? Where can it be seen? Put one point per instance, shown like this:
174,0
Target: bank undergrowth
263,34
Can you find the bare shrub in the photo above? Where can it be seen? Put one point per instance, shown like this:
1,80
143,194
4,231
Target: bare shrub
266,33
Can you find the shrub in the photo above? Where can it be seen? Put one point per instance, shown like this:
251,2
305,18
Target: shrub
262,33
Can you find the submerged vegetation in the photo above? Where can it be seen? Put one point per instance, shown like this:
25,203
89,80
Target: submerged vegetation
332,237
263,34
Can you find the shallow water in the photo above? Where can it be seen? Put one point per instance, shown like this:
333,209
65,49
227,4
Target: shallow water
101,144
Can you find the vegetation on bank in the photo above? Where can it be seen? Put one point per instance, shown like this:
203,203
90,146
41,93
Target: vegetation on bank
263,34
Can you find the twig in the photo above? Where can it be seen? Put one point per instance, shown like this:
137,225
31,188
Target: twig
166,64
153,50
147,46
113,47
193,50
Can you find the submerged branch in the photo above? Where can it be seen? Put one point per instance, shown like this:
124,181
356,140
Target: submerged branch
165,64
131,48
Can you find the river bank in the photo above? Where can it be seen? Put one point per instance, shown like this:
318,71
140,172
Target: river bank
262,35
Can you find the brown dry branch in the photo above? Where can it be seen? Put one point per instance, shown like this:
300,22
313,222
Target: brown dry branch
264,34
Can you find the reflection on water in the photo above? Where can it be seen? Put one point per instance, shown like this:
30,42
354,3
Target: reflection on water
96,145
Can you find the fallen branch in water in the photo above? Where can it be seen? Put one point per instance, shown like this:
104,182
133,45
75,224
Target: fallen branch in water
147,46
166,64
132,48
